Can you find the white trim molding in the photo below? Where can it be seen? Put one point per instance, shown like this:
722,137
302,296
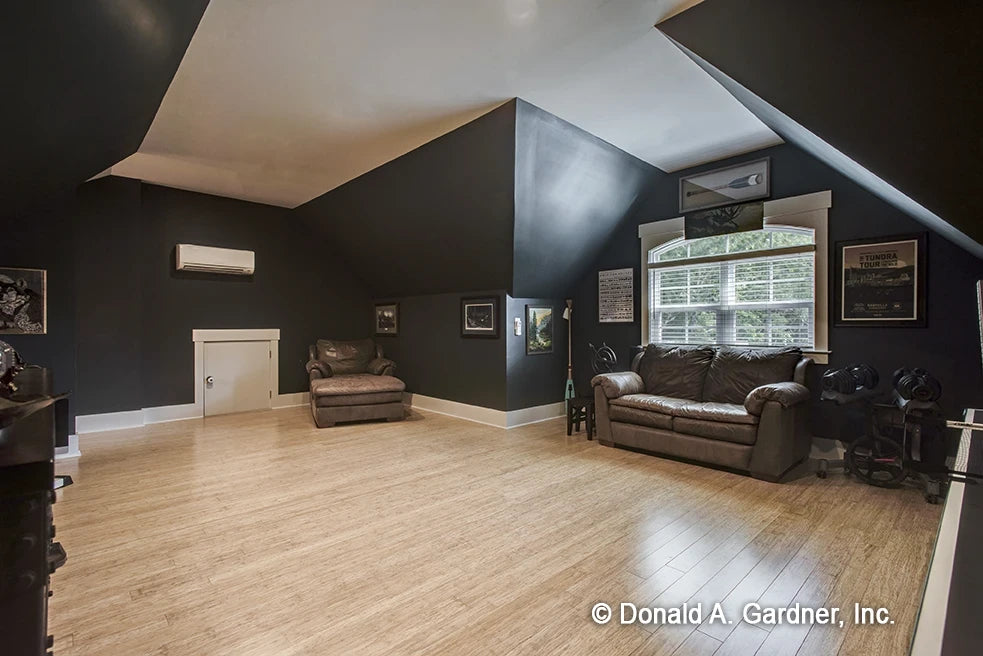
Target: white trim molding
235,334
70,451
807,211
487,416
291,400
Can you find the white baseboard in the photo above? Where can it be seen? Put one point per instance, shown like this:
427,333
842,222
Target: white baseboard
108,421
70,451
535,414
291,400
164,413
487,416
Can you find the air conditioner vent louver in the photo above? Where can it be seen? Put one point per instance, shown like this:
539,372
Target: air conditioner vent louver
208,259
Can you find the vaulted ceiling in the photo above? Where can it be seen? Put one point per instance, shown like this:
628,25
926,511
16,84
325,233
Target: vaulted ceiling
280,102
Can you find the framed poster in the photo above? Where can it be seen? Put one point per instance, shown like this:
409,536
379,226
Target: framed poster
23,301
387,319
881,282
725,186
479,317
539,329
616,296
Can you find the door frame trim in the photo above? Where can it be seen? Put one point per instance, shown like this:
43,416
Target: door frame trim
201,335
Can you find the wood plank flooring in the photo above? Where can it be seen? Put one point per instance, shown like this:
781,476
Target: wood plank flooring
260,535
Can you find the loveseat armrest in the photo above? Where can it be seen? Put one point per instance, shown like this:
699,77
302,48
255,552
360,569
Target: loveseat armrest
787,394
382,367
619,384
318,369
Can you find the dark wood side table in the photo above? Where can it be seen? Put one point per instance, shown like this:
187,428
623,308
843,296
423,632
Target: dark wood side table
581,408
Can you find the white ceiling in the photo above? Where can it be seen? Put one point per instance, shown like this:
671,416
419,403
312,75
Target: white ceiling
279,102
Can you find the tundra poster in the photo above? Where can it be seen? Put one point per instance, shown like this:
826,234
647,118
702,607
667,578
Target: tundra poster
880,282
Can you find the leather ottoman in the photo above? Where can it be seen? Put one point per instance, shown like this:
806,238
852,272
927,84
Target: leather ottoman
356,397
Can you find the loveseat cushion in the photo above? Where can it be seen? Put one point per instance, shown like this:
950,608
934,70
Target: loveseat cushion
650,403
629,415
735,371
346,357
716,430
676,371
355,384
731,413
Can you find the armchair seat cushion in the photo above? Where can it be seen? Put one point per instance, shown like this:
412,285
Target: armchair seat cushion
356,384
731,413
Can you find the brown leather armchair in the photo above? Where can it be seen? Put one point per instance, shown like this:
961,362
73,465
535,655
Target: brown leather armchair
740,408
352,381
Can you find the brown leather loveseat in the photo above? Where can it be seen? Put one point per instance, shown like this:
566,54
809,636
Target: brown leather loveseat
741,408
351,380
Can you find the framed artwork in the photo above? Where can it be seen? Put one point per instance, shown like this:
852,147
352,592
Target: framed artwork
479,316
742,217
725,186
539,329
23,301
387,319
881,282
616,296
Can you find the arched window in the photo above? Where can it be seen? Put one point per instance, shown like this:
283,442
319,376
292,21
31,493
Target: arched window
753,288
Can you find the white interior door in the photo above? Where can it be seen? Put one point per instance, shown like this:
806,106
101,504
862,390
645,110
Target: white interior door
237,377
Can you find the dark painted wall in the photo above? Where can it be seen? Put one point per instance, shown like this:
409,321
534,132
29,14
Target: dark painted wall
535,379
109,258
571,192
432,357
296,288
438,219
82,83
949,346
120,317
897,86
43,239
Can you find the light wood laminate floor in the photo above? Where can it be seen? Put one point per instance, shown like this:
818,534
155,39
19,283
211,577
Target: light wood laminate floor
258,534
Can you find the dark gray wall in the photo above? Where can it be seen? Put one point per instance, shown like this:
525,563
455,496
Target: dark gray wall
43,238
949,347
296,288
438,219
896,86
571,192
109,258
432,357
82,82
535,379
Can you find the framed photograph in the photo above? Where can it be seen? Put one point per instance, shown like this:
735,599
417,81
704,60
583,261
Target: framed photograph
479,317
23,301
881,282
725,186
539,329
616,296
387,319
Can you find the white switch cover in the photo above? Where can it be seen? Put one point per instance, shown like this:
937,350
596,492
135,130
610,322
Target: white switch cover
517,326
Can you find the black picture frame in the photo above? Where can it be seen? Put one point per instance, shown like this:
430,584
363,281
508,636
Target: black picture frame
387,319
539,331
897,294
691,184
26,309
479,316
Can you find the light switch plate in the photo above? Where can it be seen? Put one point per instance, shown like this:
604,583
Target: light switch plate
517,326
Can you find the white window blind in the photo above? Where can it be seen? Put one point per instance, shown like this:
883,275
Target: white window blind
753,288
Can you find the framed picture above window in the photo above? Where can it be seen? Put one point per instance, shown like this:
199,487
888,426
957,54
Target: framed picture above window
881,282
479,316
539,329
725,186
387,319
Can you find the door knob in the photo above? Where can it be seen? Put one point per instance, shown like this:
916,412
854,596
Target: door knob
209,380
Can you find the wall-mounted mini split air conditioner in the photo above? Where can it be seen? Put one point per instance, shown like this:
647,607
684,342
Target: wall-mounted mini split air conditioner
215,260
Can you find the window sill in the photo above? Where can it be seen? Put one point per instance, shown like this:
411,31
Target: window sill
819,357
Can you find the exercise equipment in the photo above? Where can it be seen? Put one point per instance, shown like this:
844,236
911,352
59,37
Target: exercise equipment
917,384
850,379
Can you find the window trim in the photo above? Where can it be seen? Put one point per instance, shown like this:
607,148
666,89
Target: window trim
806,211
